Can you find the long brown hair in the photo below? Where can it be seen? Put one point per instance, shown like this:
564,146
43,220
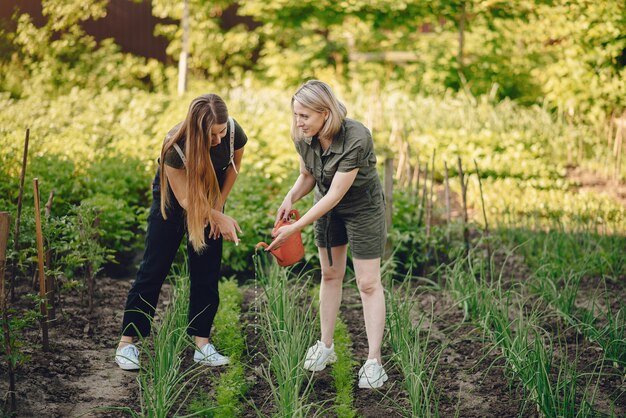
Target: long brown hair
203,191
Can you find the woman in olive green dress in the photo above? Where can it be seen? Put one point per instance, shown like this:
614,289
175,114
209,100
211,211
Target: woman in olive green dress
337,160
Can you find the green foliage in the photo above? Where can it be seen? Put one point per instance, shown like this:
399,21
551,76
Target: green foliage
213,49
580,47
163,382
556,254
102,149
18,323
285,330
410,343
568,54
228,336
342,371
60,56
414,248
117,228
82,247
228,333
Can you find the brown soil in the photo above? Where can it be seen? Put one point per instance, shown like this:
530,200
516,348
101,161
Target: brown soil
78,373
586,180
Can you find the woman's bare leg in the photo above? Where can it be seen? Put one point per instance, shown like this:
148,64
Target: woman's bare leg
331,290
369,283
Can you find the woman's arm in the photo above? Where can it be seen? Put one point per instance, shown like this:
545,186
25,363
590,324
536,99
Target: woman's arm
231,174
229,181
177,178
338,188
224,224
302,187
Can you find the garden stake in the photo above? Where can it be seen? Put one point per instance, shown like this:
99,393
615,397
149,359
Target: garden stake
422,206
464,195
396,137
415,180
42,280
415,192
429,208
91,279
50,285
389,206
4,237
447,190
16,242
482,201
619,138
408,170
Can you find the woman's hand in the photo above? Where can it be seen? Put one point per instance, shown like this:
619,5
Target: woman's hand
215,232
281,235
283,210
225,225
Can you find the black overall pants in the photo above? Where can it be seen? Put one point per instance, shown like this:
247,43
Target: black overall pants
162,241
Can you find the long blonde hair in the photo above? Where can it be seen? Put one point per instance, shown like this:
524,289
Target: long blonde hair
203,191
319,97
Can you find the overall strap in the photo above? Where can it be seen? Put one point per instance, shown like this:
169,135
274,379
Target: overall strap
180,153
232,144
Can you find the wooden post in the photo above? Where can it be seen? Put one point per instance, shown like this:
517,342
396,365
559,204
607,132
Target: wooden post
395,137
415,180
447,191
408,169
42,280
465,217
609,140
429,207
50,282
482,201
389,204
619,138
91,279
4,238
16,235
422,206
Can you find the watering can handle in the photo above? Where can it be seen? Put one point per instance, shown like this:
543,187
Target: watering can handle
283,222
294,212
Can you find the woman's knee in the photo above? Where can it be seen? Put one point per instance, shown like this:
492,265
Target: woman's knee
332,274
369,284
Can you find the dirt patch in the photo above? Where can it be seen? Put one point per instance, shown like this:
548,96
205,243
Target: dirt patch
78,374
586,180
470,375
369,403
259,391
389,400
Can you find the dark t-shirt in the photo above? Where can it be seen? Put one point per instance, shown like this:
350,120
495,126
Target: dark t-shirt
220,154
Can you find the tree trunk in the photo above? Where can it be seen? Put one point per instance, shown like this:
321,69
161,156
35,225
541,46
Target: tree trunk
462,21
184,52
16,239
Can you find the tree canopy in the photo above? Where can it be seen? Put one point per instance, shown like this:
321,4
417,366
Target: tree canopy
570,54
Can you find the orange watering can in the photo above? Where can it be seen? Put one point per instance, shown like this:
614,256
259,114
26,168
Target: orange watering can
292,250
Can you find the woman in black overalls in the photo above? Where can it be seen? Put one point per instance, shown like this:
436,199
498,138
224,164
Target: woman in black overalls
197,170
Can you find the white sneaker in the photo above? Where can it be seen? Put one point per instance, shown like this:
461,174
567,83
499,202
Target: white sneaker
209,356
318,356
372,375
127,357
